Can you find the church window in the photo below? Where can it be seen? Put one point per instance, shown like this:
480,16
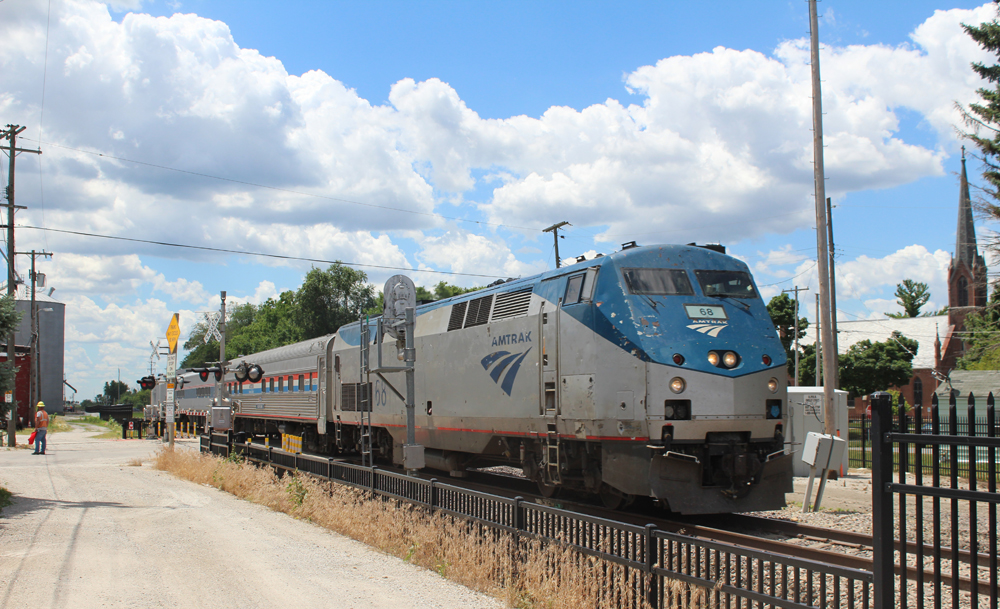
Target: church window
918,392
963,292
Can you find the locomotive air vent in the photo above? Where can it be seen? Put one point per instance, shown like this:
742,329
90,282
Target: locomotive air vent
479,311
629,245
512,304
457,316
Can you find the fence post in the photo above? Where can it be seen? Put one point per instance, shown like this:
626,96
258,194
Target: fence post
651,591
883,538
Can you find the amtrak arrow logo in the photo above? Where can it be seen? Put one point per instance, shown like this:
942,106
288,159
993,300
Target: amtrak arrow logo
505,361
710,329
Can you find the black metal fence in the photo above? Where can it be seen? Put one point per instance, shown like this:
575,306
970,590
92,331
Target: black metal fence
654,560
968,423
932,524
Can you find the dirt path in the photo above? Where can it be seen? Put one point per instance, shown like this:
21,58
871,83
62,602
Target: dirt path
89,530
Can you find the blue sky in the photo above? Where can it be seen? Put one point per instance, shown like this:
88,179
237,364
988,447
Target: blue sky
477,124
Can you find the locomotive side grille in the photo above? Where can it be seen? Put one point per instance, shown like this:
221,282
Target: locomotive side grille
352,395
457,316
512,304
479,311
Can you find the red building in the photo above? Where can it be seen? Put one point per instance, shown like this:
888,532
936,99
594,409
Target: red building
22,381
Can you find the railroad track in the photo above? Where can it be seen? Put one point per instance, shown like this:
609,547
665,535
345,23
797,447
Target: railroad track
737,529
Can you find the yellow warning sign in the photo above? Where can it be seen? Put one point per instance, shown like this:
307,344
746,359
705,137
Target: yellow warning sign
173,333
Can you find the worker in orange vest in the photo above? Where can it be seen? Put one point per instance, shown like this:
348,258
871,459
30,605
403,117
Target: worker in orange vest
41,428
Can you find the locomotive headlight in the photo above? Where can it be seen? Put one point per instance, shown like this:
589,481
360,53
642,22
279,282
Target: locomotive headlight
713,358
677,384
773,385
730,359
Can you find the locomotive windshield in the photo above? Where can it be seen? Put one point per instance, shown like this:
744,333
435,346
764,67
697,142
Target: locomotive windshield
734,284
658,282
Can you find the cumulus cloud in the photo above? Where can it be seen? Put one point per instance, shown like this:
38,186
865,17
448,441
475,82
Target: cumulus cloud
717,148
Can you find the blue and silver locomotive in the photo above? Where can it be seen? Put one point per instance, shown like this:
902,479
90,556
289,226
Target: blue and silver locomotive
651,372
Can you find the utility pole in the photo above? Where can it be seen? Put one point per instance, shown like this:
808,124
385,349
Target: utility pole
10,134
554,229
222,360
35,389
822,248
795,331
819,349
835,350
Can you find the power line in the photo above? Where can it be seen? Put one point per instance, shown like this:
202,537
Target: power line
289,190
261,254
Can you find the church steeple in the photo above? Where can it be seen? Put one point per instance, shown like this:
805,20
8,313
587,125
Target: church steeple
965,238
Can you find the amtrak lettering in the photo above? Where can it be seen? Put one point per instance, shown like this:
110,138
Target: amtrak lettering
511,339
504,360
711,327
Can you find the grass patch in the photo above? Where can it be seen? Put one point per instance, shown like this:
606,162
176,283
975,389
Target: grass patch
114,430
5,500
58,423
526,575
137,462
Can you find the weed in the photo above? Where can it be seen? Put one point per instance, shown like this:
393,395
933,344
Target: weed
524,574
5,501
137,462
296,490
58,423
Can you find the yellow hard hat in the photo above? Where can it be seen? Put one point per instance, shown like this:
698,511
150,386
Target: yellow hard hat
41,405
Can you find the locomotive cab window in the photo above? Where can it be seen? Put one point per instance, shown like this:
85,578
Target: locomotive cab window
573,288
658,282
733,284
580,287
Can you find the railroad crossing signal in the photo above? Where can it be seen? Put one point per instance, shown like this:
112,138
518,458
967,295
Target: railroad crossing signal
147,382
156,349
212,322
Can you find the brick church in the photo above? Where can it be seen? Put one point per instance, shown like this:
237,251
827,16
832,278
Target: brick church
938,336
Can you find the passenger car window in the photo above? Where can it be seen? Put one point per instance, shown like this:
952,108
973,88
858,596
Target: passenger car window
658,282
734,284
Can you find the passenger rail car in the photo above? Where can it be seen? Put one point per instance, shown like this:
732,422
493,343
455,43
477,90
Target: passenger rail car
655,372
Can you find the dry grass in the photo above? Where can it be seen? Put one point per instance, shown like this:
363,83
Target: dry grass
533,576
136,462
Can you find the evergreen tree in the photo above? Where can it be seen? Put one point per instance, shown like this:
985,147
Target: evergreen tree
911,295
983,117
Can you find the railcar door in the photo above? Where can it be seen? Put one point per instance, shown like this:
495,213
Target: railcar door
321,405
548,321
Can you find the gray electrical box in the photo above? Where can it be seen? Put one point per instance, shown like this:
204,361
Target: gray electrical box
222,418
805,414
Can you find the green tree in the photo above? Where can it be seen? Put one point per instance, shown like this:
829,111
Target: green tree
114,391
911,295
447,290
868,367
782,311
983,118
331,298
9,318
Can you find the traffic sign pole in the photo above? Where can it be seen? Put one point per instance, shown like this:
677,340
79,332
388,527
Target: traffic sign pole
173,333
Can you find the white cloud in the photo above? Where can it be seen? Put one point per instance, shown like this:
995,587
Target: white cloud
718,148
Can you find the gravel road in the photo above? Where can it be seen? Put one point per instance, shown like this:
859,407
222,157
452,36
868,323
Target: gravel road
89,530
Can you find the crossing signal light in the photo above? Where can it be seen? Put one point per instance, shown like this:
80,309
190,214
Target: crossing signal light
204,372
147,382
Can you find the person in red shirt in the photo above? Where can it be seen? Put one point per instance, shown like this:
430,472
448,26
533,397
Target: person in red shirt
41,428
